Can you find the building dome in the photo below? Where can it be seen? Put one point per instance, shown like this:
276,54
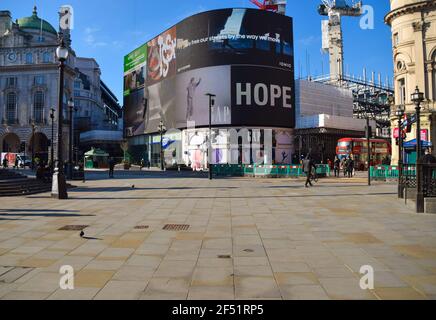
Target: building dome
34,22
396,4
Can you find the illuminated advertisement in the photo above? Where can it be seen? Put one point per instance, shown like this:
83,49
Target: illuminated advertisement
242,56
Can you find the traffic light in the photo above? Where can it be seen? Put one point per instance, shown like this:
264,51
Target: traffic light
23,147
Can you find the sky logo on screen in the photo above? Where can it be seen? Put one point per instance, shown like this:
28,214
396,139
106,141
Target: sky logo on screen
263,95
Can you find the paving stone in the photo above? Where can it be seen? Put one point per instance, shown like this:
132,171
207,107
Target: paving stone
211,293
93,278
256,288
303,292
345,289
399,294
212,277
121,290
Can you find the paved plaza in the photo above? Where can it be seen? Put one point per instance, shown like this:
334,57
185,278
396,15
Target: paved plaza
244,239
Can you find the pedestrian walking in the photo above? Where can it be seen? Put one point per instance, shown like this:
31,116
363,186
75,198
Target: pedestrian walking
344,166
337,167
111,167
5,163
308,165
16,163
350,167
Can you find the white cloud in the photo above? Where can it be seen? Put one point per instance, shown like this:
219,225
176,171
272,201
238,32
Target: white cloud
91,38
309,40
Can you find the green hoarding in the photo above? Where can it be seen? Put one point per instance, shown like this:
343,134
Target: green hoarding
135,58
134,70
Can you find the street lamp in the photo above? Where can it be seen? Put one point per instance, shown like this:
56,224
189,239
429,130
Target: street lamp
33,144
59,186
209,150
400,113
70,152
52,116
161,132
417,98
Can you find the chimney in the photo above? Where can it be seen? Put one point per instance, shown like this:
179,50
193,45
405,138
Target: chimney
5,22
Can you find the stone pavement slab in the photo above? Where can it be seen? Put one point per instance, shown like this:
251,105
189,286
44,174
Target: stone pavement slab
246,239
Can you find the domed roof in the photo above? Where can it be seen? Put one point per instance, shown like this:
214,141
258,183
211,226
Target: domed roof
34,22
395,4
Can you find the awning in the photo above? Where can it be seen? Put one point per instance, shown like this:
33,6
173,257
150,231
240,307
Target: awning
412,144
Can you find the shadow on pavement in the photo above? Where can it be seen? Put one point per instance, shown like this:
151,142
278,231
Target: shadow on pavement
230,197
120,189
41,213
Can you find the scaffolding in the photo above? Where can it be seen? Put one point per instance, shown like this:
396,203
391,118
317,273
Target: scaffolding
370,99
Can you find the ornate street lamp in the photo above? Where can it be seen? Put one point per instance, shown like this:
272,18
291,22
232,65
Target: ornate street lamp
52,116
59,186
70,152
161,131
33,144
417,98
400,114
209,150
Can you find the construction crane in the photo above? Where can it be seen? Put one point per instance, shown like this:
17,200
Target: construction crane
278,6
332,32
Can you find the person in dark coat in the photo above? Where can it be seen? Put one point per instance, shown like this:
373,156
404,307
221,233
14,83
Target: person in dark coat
111,167
350,167
308,165
337,166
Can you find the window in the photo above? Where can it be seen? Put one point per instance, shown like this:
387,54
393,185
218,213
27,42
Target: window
46,57
76,93
396,39
38,107
11,82
38,80
402,91
77,84
11,107
29,57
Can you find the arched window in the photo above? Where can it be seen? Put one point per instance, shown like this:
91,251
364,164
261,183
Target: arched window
11,107
29,57
46,57
38,107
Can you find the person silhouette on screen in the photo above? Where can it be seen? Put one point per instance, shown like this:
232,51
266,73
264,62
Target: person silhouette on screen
190,97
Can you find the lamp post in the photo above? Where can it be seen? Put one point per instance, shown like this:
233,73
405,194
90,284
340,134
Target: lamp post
59,186
400,113
70,152
368,142
33,144
417,98
161,132
209,150
52,116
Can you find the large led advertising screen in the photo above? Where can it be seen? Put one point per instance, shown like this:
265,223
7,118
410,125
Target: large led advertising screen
243,56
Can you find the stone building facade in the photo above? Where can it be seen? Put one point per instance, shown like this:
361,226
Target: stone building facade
413,24
29,84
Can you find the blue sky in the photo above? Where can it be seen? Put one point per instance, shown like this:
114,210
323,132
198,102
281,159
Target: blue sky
108,30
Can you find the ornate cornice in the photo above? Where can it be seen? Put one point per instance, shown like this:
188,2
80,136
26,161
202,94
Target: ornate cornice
408,9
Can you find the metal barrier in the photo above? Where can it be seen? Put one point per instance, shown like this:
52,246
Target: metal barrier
267,171
384,172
